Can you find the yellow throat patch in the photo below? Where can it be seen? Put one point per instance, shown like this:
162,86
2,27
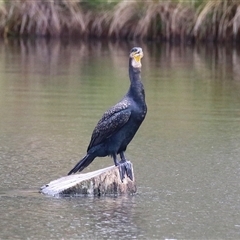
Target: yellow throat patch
138,58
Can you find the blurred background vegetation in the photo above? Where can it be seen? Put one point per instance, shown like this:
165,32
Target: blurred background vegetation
170,20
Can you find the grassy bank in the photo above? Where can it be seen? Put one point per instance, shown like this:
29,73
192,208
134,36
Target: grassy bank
175,20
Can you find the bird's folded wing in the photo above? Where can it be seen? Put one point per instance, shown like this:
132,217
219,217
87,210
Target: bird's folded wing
111,122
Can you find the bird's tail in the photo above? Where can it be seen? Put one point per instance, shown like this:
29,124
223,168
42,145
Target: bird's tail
82,164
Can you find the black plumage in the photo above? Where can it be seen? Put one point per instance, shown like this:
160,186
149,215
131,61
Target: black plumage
119,124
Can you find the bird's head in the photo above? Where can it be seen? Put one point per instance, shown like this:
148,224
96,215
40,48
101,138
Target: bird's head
136,54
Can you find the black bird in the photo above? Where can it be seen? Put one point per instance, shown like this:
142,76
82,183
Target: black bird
119,124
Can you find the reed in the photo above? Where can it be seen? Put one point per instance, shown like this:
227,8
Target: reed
217,20
152,20
172,20
43,18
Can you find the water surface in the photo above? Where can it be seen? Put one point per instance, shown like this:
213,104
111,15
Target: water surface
185,155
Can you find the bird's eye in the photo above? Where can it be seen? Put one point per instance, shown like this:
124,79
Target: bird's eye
134,50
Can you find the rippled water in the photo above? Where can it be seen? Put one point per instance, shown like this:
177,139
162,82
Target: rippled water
185,155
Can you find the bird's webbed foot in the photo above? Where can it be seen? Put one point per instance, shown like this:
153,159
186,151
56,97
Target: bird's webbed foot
125,167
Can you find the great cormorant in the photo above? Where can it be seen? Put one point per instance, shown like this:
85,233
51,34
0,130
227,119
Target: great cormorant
119,124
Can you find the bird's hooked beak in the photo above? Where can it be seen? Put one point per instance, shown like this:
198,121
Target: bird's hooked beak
136,54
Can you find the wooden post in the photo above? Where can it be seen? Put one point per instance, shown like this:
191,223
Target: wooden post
105,181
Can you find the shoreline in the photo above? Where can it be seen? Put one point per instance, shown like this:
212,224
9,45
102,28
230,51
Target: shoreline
211,21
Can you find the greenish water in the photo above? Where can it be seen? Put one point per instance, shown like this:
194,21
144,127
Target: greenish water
185,155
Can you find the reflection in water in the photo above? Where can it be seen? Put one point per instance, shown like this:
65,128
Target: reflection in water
185,155
93,218
116,217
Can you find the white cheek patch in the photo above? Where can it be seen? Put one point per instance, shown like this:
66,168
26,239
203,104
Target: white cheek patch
136,64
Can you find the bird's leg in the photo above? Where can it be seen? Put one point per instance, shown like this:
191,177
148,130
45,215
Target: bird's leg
126,166
115,160
121,170
123,159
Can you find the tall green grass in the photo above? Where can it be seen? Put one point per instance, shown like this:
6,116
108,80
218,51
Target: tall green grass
171,20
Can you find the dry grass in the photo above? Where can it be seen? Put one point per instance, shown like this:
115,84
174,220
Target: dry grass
43,18
213,20
151,20
97,24
217,20
175,20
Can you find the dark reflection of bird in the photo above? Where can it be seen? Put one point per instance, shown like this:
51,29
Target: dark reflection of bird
119,124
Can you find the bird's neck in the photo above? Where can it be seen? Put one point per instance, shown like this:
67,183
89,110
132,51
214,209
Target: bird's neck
134,73
136,89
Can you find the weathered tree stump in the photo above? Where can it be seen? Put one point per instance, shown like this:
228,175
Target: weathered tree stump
105,181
